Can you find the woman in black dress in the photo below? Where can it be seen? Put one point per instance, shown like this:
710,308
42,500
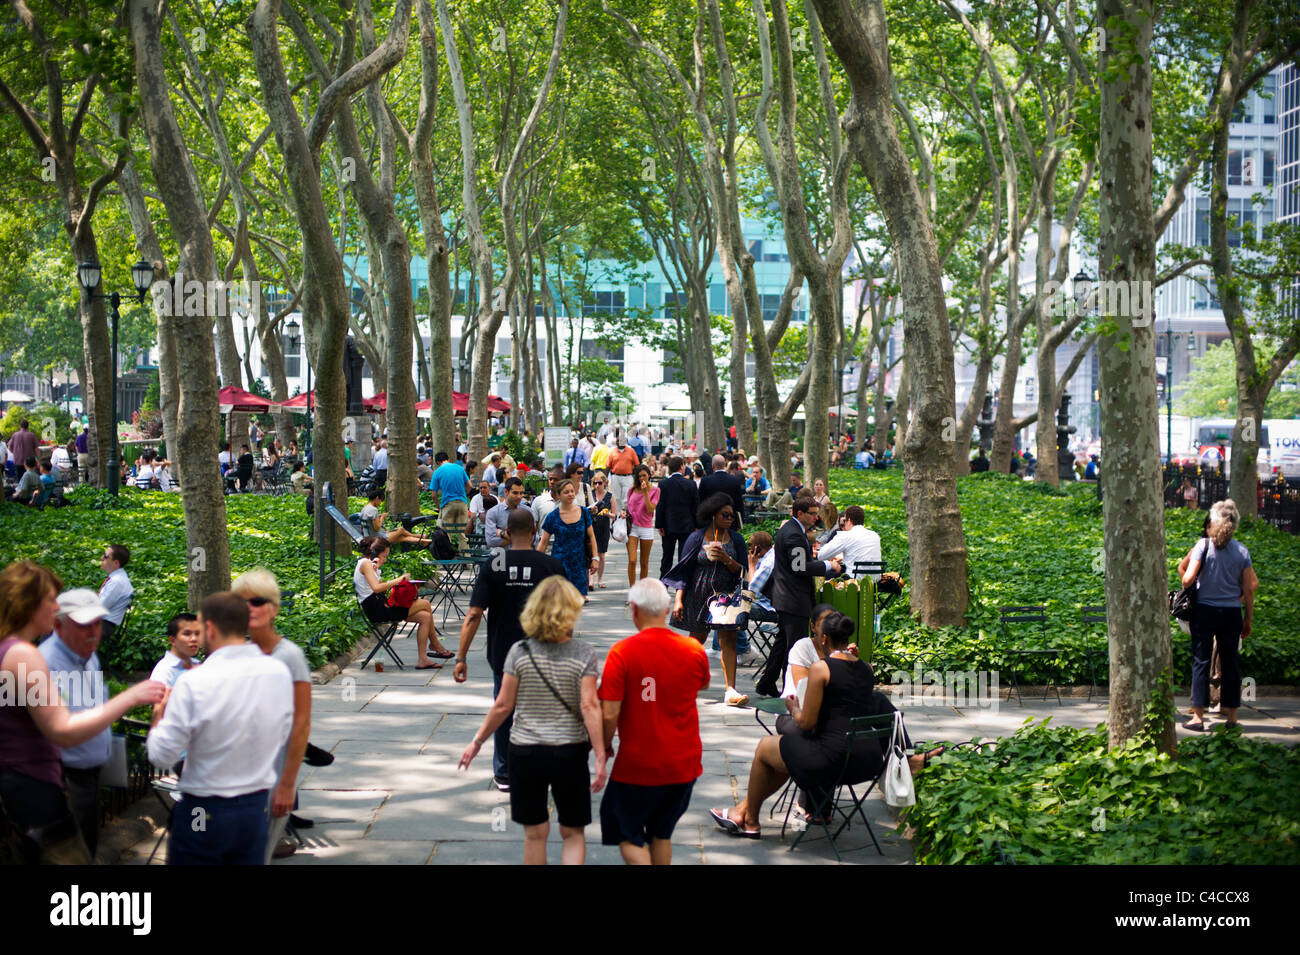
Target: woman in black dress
712,563
602,509
839,689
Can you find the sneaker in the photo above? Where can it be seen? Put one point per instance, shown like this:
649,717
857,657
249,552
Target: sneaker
502,783
747,659
284,849
734,698
299,822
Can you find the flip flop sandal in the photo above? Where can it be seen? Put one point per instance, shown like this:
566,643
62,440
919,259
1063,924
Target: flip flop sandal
730,826
445,655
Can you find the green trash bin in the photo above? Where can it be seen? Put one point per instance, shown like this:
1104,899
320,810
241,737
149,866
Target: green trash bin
856,599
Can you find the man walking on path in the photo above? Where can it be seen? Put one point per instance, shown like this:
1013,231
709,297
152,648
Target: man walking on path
648,695
622,462
725,480
451,483
793,571
229,718
679,499
504,583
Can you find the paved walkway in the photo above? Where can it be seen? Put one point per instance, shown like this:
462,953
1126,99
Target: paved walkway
394,795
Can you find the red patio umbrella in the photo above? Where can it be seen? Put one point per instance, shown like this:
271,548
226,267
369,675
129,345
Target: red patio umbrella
459,404
231,399
376,405
498,405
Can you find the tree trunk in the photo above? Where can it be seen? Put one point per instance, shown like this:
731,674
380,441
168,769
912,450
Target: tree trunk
937,548
1133,510
326,309
150,249
207,543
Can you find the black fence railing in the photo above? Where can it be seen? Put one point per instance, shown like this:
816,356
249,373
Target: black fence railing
1278,501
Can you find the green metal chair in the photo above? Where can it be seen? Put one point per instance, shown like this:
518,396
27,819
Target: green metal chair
825,803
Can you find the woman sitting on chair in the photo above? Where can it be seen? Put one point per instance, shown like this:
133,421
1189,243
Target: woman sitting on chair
371,590
839,689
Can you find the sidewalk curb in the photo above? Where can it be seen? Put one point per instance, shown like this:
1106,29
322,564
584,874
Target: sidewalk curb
326,673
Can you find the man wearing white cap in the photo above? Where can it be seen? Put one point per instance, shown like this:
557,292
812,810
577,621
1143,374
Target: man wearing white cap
74,668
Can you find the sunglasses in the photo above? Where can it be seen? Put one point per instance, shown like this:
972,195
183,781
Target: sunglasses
258,601
597,483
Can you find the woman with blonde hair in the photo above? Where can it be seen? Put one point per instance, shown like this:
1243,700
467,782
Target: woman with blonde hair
262,591
549,682
36,723
1225,607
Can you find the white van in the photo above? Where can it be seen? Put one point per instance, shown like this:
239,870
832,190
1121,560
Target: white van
1214,446
1284,441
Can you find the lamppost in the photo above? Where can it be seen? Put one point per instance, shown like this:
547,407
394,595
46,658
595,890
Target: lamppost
1169,390
294,342
88,273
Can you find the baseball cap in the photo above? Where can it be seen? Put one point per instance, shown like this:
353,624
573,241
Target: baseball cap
82,605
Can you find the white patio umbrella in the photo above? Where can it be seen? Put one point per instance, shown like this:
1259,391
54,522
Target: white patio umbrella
18,397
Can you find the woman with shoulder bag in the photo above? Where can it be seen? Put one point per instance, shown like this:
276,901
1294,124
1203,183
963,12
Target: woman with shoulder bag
549,682
371,592
1225,607
712,564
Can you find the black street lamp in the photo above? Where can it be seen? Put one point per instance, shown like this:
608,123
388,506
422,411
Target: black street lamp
295,341
88,274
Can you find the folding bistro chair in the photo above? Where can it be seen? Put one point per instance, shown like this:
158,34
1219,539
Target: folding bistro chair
1032,614
383,634
1089,616
825,803
761,630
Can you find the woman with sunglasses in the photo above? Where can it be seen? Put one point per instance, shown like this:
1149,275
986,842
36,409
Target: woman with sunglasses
602,510
262,591
712,564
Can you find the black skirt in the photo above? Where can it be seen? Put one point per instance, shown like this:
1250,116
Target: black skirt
377,610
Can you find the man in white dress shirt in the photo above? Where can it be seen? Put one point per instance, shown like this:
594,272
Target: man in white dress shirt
116,592
853,542
230,717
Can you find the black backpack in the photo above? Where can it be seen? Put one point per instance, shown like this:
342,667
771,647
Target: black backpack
442,546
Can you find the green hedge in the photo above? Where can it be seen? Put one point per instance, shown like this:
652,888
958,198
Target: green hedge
1029,543
1055,795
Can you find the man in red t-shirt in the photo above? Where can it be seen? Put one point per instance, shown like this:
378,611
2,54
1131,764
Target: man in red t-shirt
648,693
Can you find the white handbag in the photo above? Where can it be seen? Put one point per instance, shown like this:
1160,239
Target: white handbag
899,791
618,531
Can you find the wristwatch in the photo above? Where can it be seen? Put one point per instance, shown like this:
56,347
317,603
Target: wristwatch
460,659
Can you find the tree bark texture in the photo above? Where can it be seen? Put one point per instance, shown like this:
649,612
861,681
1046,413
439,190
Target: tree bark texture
939,593
206,538
1133,507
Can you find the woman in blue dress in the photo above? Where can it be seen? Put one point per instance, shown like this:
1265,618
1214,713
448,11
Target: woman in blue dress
570,526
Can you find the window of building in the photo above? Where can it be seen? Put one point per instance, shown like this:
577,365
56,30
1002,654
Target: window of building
613,356
1234,168
1202,221
606,303
1269,167
673,375
292,359
1266,93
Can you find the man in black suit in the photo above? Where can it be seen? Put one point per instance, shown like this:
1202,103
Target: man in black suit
791,587
679,499
729,482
